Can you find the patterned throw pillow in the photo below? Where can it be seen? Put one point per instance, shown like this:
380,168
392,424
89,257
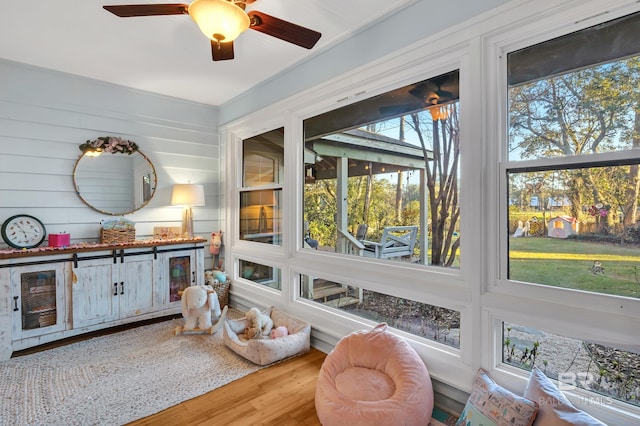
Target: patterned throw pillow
492,405
555,408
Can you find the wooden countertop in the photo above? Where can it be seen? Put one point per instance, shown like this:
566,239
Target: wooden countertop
87,247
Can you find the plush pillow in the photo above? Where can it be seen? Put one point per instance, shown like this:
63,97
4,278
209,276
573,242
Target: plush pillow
492,405
555,408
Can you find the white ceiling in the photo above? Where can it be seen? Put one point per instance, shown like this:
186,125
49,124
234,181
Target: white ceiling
168,54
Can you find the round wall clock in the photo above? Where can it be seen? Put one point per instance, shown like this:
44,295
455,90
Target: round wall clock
23,231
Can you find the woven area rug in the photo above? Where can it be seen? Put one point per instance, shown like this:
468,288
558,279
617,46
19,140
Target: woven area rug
117,378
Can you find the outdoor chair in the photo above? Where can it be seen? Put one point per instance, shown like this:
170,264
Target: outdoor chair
361,232
396,241
310,242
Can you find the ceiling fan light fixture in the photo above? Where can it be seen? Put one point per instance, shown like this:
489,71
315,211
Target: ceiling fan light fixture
219,20
440,112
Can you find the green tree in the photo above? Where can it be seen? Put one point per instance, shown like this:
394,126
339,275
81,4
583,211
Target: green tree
633,180
615,187
320,209
438,133
582,112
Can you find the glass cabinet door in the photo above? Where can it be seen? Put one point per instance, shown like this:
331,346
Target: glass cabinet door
37,299
181,268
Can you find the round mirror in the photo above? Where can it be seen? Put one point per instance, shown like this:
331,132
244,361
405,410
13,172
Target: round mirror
115,183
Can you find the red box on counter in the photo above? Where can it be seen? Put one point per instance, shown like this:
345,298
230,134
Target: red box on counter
59,240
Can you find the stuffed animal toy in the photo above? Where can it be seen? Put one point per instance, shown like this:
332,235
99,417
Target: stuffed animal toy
259,325
216,249
216,242
220,276
198,302
210,278
280,331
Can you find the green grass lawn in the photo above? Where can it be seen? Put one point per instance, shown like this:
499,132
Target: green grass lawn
568,263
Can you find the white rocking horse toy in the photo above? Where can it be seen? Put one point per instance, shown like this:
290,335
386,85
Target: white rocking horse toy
198,303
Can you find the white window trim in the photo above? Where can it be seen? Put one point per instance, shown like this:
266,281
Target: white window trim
484,299
605,317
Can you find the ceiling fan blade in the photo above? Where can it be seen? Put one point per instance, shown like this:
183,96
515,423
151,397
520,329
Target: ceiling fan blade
396,110
130,10
434,96
287,31
420,91
221,51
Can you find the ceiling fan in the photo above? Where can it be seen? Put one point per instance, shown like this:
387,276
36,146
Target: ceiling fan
430,96
222,21
423,95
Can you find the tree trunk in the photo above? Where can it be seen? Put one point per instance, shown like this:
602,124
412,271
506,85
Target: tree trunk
631,207
575,198
400,177
399,198
367,197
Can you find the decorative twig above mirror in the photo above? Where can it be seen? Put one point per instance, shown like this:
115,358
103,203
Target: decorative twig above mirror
109,144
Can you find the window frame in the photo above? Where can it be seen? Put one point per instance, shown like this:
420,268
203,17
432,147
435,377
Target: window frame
449,288
479,289
547,308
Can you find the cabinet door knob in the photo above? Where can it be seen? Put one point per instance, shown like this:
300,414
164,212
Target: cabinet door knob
15,303
115,289
121,287
193,277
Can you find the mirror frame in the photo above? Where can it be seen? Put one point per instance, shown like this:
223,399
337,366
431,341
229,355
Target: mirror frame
153,189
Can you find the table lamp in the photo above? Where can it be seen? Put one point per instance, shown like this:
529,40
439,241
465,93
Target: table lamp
187,195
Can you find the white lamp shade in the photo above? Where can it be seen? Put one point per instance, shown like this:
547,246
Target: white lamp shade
219,20
187,194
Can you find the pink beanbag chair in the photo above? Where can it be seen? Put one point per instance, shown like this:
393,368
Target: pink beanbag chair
373,378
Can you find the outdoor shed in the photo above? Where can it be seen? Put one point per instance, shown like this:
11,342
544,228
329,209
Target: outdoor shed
562,227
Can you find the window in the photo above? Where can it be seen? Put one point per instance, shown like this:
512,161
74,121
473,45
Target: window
568,229
260,196
382,176
580,215
543,192
381,181
435,323
572,180
605,370
268,276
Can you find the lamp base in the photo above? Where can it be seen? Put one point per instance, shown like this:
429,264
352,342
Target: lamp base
187,223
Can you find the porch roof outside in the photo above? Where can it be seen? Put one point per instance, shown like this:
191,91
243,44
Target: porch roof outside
368,152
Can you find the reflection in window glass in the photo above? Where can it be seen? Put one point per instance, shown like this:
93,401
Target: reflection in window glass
261,274
260,216
574,236
381,176
596,367
263,159
431,322
262,177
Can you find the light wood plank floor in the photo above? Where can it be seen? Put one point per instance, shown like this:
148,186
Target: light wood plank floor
281,394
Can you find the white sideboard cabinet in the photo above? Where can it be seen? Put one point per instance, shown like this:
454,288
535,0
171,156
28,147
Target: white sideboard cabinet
45,297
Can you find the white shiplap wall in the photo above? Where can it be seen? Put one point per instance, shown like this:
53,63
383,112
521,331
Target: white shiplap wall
45,115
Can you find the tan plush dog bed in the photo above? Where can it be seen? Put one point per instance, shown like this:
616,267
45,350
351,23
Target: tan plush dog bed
266,350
